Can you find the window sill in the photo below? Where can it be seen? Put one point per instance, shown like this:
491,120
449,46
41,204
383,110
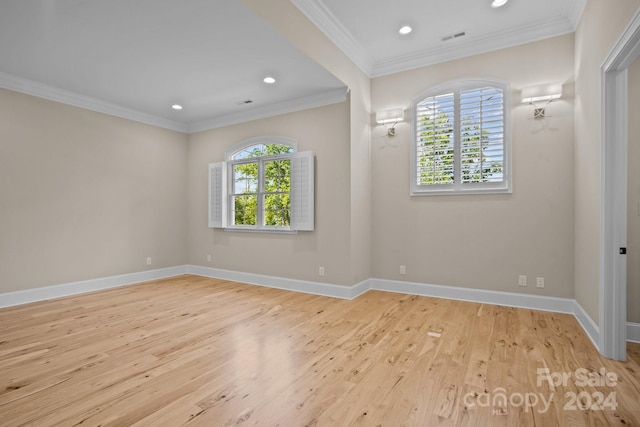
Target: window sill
465,192
261,230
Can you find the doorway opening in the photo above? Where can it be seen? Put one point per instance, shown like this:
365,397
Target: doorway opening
613,200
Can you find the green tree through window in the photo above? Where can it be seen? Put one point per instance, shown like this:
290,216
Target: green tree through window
460,140
262,185
435,150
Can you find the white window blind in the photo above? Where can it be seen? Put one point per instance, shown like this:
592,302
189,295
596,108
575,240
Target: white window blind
435,135
460,139
481,135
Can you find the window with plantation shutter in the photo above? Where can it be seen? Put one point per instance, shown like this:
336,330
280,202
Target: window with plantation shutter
264,185
460,141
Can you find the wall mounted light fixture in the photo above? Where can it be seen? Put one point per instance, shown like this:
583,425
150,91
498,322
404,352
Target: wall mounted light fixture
390,117
539,94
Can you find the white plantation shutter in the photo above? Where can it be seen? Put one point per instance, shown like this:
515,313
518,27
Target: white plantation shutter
481,135
302,191
461,139
435,140
217,195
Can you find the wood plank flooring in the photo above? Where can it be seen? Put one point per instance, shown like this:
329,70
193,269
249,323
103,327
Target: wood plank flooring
192,351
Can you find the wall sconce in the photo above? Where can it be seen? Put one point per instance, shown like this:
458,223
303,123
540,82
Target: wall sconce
541,93
390,116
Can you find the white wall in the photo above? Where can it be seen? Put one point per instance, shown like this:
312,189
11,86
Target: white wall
325,131
599,29
287,19
84,195
482,241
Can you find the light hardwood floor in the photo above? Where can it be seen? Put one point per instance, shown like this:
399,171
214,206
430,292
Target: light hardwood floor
192,351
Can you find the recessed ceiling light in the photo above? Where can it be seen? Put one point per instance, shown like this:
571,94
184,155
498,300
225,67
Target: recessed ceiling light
176,107
498,3
269,80
405,30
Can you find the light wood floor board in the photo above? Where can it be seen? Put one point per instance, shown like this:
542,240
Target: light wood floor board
193,351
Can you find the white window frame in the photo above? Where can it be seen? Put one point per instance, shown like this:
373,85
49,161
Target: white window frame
459,187
301,191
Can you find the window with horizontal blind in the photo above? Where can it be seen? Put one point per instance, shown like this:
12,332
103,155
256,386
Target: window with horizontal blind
461,142
264,185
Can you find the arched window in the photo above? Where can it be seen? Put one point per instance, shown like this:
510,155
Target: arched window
264,185
461,142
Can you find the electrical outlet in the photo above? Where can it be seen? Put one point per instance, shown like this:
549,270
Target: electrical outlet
403,269
208,257
522,280
540,282
148,260
320,271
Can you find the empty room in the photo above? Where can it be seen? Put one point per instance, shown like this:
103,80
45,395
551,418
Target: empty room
320,213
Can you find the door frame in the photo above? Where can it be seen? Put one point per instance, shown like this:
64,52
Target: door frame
613,187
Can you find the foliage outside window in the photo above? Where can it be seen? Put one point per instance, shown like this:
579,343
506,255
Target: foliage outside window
261,185
265,184
461,143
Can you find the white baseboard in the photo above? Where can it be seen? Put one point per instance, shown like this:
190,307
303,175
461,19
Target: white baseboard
509,299
534,302
588,325
57,291
315,288
633,332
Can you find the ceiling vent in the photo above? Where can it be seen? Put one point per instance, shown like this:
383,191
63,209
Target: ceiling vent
453,36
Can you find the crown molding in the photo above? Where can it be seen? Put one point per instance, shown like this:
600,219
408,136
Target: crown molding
303,103
460,49
575,10
322,17
331,27
40,90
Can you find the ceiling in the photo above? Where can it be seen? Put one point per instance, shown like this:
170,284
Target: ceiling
135,59
367,31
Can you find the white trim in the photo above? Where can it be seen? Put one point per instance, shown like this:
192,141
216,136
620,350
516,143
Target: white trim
575,8
361,288
613,197
452,50
613,216
456,87
508,299
322,99
480,296
633,332
588,325
10,299
321,16
304,286
258,140
51,93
